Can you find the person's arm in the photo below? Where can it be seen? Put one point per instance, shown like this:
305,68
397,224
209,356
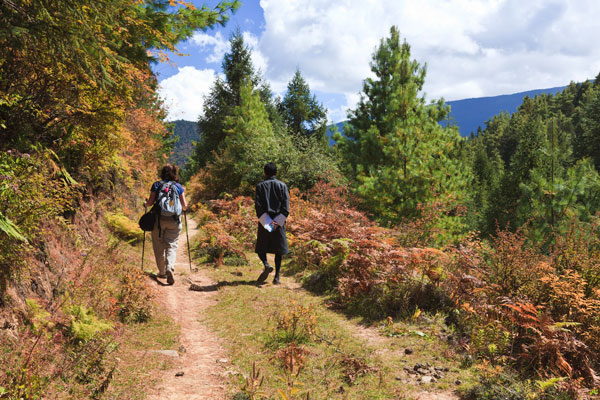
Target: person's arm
150,200
259,207
284,209
285,202
183,202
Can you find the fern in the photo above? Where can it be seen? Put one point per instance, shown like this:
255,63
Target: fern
10,229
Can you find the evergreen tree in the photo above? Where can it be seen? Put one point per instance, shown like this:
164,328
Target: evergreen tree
225,96
251,142
395,148
302,113
590,126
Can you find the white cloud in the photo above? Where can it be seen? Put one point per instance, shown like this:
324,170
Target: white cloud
472,48
219,45
184,92
259,60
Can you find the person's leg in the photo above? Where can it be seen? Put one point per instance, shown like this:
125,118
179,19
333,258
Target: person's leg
159,252
278,258
268,269
263,259
170,234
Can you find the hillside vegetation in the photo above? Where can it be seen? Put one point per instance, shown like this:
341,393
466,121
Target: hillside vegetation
498,233
186,134
82,134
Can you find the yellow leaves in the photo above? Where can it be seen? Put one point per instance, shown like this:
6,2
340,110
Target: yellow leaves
416,314
467,307
175,3
297,323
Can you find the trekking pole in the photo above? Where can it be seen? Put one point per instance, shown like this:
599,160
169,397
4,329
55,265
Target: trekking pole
143,243
188,239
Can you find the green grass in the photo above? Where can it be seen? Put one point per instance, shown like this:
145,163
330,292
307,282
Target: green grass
246,317
139,371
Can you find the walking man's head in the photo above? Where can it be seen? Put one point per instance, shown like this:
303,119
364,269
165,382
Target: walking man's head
270,169
169,172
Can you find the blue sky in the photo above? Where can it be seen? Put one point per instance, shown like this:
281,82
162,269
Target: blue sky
472,48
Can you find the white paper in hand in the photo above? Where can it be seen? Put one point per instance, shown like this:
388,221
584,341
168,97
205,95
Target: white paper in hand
266,221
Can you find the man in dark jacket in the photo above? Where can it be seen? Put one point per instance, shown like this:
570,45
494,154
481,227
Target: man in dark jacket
272,205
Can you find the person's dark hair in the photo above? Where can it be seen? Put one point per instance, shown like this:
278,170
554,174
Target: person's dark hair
169,172
270,169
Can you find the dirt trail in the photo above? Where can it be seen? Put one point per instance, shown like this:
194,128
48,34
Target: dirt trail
203,360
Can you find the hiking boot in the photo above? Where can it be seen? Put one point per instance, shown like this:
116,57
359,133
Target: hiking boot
263,276
170,279
276,280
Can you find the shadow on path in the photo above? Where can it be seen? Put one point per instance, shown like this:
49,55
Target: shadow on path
154,277
216,286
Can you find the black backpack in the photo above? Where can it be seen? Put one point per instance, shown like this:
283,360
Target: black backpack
147,220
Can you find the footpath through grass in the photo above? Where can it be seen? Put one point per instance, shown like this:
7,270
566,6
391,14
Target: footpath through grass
286,343
139,369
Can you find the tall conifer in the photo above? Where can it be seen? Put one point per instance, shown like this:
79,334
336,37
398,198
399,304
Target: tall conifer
302,113
394,146
224,96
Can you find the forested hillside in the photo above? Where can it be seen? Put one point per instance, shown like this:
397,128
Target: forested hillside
471,114
186,134
489,244
498,233
82,134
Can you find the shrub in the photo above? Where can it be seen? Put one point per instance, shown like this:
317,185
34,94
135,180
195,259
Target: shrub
217,243
85,325
134,302
296,324
33,188
124,227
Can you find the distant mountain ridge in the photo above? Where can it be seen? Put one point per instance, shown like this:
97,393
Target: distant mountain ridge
469,114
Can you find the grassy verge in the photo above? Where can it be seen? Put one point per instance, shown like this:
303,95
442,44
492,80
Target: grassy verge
333,356
139,370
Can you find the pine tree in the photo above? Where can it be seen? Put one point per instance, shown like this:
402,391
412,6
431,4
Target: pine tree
238,166
590,126
398,153
224,96
302,113
251,142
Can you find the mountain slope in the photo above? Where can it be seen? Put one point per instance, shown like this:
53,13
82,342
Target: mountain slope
188,133
469,114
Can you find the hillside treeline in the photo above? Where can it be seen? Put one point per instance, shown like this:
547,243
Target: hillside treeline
498,232
82,134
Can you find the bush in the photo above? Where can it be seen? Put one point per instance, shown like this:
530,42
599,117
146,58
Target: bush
85,325
124,227
296,324
217,244
134,302
33,188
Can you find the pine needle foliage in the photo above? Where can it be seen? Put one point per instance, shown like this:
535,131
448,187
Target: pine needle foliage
396,151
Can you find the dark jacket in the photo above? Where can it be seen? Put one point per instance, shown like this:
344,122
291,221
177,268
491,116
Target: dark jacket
272,197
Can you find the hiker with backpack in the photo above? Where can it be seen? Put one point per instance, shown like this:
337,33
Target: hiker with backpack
168,202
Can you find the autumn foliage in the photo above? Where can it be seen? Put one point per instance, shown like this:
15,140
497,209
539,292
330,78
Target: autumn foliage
510,303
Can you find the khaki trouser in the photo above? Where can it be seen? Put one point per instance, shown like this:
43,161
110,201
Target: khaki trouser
165,246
